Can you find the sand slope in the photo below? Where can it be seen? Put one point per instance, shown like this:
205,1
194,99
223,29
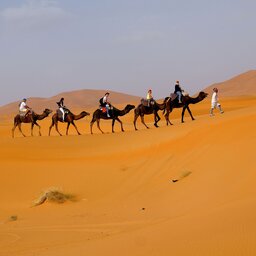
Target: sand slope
128,204
241,85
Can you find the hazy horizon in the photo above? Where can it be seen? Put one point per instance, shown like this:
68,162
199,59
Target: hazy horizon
52,46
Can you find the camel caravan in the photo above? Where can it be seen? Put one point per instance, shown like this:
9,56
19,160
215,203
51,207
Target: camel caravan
106,111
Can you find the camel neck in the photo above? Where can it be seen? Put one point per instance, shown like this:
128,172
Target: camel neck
77,117
196,100
122,112
42,116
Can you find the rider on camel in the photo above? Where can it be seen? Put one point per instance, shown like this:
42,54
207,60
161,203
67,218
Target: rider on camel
61,108
178,91
104,102
24,108
149,98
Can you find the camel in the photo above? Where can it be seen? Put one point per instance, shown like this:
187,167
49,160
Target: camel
186,100
142,110
69,118
30,118
114,115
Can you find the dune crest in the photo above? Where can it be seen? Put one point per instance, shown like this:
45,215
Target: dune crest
241,85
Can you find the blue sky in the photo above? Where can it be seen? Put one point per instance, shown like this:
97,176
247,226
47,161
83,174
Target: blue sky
51,46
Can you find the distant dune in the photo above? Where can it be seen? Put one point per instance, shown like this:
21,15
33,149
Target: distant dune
81,99
241,85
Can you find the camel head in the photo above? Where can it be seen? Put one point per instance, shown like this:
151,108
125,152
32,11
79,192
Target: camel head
84,113
203,95
47,111
129,107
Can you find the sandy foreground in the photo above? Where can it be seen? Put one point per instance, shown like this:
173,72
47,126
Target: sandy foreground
127,203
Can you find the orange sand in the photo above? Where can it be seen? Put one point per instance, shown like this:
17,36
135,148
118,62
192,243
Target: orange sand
128,204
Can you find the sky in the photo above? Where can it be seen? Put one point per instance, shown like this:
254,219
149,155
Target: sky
53,46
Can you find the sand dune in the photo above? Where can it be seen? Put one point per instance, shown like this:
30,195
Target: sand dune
127,203
81,99
241,85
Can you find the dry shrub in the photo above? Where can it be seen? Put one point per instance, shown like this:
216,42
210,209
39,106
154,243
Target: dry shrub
13,218
54,195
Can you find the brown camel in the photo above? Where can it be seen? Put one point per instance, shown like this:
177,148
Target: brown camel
69,118
30,118
186,100
142,110
114,115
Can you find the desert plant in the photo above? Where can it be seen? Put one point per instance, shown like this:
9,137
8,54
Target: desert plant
54,195
13,218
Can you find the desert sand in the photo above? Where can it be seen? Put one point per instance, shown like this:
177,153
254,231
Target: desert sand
127,203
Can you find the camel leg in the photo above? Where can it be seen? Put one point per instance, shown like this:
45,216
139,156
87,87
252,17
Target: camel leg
32,126
19,126
98,124
167,117
50,128
39,127
182,114
157,119
75,128
134,121
56,127
142,120
91,125
67,128
170,111
121,123
113,123
13,129
189,111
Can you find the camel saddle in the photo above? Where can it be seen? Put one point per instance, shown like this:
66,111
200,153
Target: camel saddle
103,109
144,102
173,96
59,113
25,117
